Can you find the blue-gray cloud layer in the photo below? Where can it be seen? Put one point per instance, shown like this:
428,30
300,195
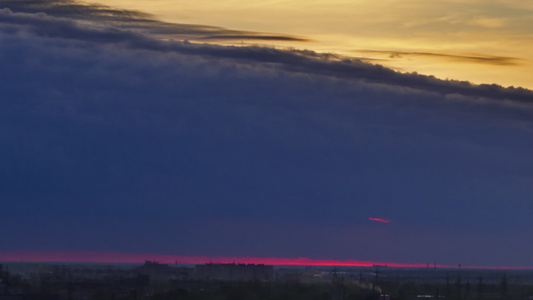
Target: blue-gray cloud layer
135,20
113,140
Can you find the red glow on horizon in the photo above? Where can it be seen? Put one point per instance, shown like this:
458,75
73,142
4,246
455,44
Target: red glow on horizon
116,257
380,220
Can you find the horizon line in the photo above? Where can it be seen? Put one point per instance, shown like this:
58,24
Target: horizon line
119,257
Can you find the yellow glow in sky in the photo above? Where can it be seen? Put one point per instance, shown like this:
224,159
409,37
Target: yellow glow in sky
482,41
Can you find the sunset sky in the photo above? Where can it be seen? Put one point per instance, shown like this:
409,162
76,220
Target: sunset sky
339,131
483,41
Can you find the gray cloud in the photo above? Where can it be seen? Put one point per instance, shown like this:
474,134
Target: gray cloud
138,21
481,59
294,61
118,137
253,37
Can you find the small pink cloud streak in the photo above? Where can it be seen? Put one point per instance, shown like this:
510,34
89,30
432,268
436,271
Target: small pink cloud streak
380,220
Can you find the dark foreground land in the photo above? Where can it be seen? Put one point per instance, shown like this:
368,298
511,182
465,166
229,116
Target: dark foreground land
234,282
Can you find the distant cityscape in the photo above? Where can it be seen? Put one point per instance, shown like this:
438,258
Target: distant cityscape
153,280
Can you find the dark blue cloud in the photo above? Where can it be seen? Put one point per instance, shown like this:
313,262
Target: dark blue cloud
137,21
113,140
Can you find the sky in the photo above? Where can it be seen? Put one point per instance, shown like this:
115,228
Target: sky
224,130
482,41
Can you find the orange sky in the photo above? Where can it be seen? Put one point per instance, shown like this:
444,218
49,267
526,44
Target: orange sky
485,41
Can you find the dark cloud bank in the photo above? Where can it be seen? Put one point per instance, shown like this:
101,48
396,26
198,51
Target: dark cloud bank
112,140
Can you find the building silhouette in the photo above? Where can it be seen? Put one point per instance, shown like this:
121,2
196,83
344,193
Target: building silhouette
234,272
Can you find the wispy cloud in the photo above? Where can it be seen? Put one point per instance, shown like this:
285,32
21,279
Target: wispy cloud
489,22
138,21
381,220
472,58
